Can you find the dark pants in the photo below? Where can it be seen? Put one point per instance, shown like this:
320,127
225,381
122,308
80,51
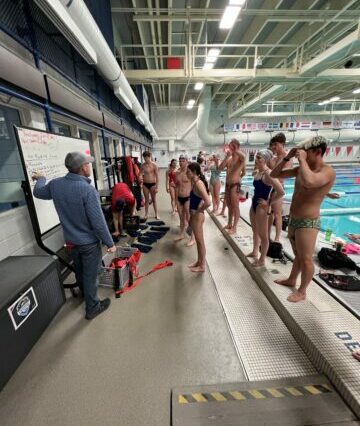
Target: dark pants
87,261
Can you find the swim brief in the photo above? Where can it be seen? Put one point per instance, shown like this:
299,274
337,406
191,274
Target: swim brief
304,223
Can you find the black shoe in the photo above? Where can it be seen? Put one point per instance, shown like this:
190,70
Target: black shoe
103,305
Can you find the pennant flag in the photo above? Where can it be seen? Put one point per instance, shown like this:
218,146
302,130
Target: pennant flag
327,150
349,150
337,150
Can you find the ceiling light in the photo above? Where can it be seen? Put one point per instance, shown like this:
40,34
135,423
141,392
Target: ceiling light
326,102
320,103
208,66
213,53
199,86
191,102
211,59
356,54
355,92
334,99
236,2
189,106
229,17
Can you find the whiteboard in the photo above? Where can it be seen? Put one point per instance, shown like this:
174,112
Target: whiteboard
45,153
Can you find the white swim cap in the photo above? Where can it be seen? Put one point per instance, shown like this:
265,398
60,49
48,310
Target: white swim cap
266,154
312,142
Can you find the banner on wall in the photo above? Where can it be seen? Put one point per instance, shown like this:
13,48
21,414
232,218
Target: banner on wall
349,150
337,150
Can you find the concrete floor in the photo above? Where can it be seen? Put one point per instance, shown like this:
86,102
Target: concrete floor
120,368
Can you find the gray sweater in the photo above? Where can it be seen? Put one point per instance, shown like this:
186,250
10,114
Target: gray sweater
78,205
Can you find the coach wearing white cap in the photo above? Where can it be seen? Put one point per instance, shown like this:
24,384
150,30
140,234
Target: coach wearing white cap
78,206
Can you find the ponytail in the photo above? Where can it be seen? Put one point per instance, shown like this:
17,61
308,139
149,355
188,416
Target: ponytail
202,178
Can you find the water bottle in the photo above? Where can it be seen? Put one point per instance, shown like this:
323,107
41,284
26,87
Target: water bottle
328,233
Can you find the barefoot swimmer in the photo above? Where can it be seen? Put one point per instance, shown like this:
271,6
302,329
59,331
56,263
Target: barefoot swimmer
199,202
261,204
151,183
313,180
234,163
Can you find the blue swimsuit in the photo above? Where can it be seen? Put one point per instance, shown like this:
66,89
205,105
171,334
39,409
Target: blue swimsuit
262,190
195,200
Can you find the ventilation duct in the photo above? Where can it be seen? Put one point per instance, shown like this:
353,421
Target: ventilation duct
203,116
107,65
59,16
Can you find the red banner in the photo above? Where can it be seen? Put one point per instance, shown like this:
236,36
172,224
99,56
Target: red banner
327,151
349,150
337,150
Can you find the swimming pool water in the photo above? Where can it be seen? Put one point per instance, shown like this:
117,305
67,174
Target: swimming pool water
341,215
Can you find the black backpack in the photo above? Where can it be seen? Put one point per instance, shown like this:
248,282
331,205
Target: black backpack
276,252
333,259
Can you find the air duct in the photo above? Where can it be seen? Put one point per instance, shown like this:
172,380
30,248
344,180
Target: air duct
203,116
106,62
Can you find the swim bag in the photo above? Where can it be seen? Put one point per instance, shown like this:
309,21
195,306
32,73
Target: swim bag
333,259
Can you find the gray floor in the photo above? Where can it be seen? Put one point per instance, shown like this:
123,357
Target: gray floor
120,368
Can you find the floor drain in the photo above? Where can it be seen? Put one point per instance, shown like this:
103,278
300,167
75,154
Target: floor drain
275,271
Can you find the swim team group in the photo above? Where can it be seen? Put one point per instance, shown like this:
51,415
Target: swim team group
84,226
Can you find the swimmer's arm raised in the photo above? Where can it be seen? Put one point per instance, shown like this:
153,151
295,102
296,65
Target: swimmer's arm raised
278,171
224,163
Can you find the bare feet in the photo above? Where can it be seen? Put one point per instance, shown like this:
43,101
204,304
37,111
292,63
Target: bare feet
218,214
190,243
115,234
286,282
193,265
197,269
179,238
258,263
157,217
232,231
226,227
356,355
252,254
296,297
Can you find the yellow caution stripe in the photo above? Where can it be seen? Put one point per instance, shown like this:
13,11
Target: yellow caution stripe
251,394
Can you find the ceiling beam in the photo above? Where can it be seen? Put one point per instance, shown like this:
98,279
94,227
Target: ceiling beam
234,76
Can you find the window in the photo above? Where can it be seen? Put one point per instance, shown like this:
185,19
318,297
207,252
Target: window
84,134
60,128
11,171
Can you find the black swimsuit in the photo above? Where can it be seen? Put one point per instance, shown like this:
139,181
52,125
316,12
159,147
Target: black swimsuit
183,200
149,185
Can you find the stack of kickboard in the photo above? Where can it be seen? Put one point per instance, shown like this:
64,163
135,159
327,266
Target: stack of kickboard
144,237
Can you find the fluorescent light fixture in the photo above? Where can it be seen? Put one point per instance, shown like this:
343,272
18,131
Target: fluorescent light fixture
119,93
140,119
191,102
334,99
213,53
326,102
59,16
211,59
229,17
356,91
236,2
199,86
208,66
320,103
189,106
356,54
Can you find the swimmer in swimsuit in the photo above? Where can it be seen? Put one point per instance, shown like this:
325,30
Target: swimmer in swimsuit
150,183
199,202
234,163
261,204
215,182
313,181
171,184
